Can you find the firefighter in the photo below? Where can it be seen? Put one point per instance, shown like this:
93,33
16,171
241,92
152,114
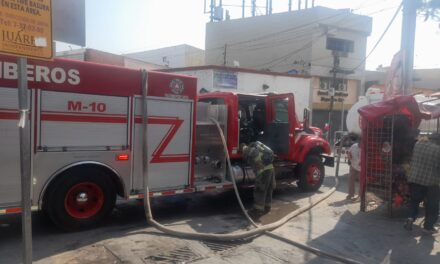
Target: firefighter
260,158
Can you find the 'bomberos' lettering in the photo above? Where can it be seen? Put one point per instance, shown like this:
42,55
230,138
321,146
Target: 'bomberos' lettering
39,73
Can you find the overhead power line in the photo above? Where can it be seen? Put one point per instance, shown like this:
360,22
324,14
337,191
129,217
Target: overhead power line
288,55
381,37
279,60
345,13
302,29
283,58
271,43
301,35
306,46
283,31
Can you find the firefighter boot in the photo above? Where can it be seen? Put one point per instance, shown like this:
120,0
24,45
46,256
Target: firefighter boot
255,214
266,209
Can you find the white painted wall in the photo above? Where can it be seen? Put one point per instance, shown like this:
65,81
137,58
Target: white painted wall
253,83
205,78
300,87
136,64
173,57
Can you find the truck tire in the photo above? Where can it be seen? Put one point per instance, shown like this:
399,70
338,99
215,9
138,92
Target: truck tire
311,174
80,199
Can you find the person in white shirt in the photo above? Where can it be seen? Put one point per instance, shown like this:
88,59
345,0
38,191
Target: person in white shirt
354,156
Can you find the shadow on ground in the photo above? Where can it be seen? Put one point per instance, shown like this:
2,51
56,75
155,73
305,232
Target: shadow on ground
368,239
369,236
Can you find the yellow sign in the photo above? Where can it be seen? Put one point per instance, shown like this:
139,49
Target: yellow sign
26,28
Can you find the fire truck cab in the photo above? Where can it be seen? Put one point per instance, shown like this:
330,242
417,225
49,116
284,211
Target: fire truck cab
271,119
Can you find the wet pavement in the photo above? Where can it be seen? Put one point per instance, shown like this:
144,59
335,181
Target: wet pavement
334,225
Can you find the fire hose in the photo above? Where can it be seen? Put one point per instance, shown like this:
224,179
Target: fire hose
258,230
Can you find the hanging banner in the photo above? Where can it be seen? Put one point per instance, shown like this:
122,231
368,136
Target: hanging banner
26,28
394,79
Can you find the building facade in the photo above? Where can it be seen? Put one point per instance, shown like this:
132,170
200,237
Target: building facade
102,57
213,78
173,57
344,98
425,81
300,41
311,42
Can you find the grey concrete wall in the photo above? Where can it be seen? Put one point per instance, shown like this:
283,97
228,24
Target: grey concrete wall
275,42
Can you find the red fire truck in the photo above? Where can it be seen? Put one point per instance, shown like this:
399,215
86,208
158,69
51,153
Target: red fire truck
86,138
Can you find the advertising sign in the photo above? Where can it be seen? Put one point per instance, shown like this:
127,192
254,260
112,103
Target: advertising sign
225,80
69,21
26,28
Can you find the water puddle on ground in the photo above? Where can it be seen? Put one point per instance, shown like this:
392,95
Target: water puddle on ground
279,210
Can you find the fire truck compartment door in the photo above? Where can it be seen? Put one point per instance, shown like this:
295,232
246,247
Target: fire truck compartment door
76,121
169,134
10,189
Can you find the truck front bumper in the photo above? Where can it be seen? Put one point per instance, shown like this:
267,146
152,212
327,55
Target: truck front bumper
328,161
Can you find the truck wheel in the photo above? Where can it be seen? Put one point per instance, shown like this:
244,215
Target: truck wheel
80,199
311,174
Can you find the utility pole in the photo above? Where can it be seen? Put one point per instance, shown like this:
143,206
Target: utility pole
212,6
224,56
243,8
407,42
267,7
334,70
342,115
253,7
25,161
290,5
299,4
270,7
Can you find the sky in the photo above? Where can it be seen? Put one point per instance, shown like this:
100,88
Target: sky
125,26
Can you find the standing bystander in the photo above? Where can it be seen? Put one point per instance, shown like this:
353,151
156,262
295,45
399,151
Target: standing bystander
355,165
424,180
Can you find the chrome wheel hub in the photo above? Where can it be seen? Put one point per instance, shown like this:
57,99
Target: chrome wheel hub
82,197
